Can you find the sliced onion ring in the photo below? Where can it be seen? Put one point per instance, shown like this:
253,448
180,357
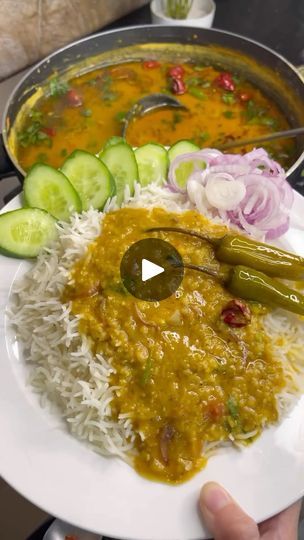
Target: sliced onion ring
249,191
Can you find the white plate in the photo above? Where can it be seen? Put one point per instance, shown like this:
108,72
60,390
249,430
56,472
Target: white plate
61,475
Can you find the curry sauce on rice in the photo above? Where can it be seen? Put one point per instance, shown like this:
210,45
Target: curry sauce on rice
182,375
160,384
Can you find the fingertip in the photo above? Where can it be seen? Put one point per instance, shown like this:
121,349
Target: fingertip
222,515
214,497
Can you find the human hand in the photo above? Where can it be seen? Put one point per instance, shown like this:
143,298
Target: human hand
227,521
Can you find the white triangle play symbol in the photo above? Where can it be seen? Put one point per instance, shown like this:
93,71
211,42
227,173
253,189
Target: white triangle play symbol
150,269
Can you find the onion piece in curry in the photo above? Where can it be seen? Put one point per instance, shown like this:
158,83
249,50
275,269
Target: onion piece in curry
184,377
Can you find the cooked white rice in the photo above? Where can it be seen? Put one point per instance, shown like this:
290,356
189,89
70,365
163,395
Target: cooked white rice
62,366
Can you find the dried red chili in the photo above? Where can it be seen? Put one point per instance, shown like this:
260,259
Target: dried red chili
225,81
178,87
236,313
176,72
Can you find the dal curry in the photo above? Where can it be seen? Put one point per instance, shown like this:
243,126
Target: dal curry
183,376
85,111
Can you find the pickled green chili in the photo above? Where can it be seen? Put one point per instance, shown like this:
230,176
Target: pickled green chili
236,249
251,284
248,282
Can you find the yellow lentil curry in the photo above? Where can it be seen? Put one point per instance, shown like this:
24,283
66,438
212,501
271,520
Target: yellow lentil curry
85,111
184,376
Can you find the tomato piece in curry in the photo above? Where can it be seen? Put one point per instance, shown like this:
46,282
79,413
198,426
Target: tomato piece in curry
185,378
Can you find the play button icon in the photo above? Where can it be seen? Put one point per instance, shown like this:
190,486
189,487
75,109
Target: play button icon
151,269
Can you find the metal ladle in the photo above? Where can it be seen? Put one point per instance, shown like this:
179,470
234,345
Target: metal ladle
264,138
150,103
156,101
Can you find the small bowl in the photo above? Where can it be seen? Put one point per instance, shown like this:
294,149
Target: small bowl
201,14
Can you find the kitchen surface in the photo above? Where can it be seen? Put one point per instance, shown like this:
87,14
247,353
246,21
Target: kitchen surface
276,24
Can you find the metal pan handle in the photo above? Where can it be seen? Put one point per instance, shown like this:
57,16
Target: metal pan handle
6,166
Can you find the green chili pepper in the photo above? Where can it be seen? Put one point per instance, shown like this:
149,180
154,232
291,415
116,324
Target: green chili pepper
253,285
250,283
237,249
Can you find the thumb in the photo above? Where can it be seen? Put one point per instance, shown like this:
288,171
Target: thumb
223,517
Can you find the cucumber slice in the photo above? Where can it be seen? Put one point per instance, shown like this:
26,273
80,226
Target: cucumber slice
112,141
182,147
91,178
152,161
24,232
50,190
121,162
186,168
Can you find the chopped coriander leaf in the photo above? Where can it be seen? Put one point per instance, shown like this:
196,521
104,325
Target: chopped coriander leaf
109,96
177,117
228,98
236,79
48,142
196,92
166,90
105,78
228,114
35,115
120,116
57,87
193,81
263,121
253,110
86,113
33,135
269,121
63,152
41,136
233,408
42,157
146,375
106,93
203,136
